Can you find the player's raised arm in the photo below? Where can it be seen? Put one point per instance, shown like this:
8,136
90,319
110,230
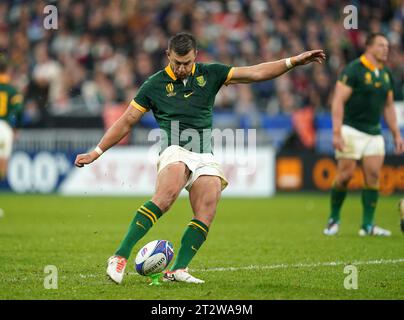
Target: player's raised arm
342,93
269,70
113,135
391,120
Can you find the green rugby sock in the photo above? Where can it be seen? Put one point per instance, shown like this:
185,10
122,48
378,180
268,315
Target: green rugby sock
146,216
194,236
369,202
338,196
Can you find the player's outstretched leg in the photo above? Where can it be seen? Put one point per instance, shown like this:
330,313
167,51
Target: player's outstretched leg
170,181
204,196
146,216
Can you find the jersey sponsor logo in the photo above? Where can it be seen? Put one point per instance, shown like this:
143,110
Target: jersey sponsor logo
378,84
170,90
368,78
186,95
201,81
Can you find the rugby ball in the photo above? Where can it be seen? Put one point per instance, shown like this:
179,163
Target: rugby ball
154,257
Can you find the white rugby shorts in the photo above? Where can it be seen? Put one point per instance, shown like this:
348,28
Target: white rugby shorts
359,144
198,163
6,139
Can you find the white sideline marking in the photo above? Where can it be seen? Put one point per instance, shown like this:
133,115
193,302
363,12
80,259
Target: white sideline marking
304,265
282,266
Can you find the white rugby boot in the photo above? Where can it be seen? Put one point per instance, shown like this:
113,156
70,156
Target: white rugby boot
332,228
375,231
180,275
116,268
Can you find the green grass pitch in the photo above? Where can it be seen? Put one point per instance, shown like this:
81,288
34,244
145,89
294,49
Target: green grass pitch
256,249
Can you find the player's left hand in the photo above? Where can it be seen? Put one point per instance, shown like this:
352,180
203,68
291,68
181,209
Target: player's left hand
308,57
399,144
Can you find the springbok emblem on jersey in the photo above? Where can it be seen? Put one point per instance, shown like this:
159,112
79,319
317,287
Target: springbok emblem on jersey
201,81
170,90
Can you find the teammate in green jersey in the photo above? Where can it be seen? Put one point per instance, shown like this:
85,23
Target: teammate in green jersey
181,98
362,94
10,108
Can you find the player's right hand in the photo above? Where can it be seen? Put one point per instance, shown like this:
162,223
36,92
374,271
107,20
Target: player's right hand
337,142
85,158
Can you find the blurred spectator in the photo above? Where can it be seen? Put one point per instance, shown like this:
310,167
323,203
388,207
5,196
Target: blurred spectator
47,72
102,51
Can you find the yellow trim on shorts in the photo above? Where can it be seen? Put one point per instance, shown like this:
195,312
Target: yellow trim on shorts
134,104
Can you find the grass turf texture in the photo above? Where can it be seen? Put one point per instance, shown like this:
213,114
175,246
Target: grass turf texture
77,235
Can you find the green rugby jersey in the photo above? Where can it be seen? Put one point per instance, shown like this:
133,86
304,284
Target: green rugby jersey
184,110
10,101
370,87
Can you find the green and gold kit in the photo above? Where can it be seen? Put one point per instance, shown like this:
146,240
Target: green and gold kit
370,87
10,100
183,108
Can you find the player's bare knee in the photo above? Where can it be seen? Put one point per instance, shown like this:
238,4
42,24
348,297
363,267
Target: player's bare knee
165,200
372,178
342,181
343,177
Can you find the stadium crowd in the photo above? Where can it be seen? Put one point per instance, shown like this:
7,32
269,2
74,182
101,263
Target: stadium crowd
102,51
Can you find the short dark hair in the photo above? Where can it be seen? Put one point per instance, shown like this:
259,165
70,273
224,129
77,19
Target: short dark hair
182,43
372,36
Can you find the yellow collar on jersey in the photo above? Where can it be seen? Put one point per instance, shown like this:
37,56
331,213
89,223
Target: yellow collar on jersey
4,78
170,71
365,61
